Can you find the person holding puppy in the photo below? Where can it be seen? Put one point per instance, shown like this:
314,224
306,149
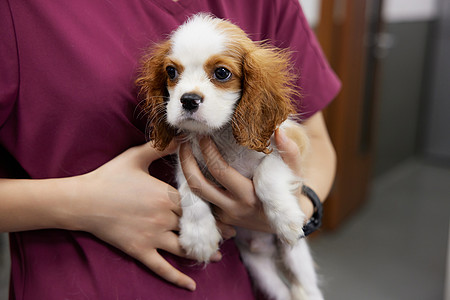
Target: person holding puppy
87,220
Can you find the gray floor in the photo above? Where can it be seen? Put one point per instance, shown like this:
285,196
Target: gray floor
394,248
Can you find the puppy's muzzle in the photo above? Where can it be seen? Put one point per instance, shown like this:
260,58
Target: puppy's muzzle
191,101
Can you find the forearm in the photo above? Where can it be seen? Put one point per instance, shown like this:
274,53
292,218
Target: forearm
318,167
320,162
119,203
35,204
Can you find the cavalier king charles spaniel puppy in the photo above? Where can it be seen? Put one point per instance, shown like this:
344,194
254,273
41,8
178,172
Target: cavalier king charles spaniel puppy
210,79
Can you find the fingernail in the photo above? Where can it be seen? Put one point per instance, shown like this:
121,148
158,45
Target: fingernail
216,257
191,286
228,233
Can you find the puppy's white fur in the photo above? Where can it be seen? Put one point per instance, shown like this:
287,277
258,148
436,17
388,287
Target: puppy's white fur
192,45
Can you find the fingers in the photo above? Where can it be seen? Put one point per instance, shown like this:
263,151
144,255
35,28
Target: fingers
197,181
146,153
227,176
172,244
171,222
238,196
161,267
167,194
238,202
171,149
174,197
227,231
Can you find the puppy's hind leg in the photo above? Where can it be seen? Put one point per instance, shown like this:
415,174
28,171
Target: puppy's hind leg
263,270
298,261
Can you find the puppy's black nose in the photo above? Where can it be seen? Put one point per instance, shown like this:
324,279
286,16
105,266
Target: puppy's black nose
191,101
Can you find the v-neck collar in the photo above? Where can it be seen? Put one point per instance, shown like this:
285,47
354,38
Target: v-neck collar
174,7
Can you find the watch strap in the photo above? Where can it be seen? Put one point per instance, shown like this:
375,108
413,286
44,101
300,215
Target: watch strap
316,220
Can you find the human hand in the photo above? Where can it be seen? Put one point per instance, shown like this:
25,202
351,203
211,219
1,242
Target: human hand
237,204
123,205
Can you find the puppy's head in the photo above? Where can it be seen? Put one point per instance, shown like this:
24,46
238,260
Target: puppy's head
208,75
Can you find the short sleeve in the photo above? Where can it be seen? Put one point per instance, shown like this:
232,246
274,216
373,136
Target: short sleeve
9,69
318,83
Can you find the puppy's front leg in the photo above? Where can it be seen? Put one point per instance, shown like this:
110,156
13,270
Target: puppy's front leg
199,235
275,185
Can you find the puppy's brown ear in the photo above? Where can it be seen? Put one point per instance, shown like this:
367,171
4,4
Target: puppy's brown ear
266,97
152,84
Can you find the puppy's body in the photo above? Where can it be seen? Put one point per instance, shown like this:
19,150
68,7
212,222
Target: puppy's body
282,270
210,79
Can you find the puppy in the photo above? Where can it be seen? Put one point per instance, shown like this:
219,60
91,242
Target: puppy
210,79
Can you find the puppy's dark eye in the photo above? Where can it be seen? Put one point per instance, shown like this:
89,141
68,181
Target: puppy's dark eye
222,74
172,72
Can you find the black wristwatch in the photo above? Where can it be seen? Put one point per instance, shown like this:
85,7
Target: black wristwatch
316,220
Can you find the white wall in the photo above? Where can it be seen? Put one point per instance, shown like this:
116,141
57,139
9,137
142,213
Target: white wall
409,10
393,10
311,8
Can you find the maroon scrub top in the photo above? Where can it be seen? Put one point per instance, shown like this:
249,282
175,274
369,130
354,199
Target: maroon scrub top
68,105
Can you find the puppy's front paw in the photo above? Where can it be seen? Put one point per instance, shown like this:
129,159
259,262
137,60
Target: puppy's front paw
200,238
289,227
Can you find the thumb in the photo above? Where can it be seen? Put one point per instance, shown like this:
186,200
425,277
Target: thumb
145,154
289,151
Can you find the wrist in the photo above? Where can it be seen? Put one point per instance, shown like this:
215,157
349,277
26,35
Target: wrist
306,206
69,209
31,204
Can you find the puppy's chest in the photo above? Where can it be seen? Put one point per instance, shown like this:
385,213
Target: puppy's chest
244,160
